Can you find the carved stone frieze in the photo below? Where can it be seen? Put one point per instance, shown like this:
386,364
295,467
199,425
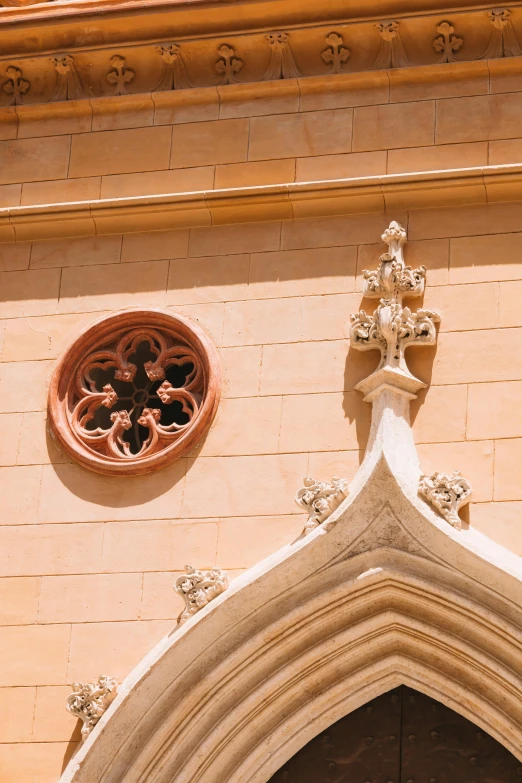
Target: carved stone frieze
447,492
337,54
199,588
282,64
447,43
319,499
16,86
89,701
392,327
134,392
193,64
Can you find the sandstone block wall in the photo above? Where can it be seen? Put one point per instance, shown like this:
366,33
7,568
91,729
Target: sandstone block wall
87,562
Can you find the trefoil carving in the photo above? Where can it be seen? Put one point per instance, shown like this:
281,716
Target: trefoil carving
282,64
119,75
391,53
447,43
15,86
503,41
447,492
319,499
89,701
392,328
173,74
199,588
68,86
228,64
336,54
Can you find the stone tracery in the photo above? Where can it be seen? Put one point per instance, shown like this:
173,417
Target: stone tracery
135,393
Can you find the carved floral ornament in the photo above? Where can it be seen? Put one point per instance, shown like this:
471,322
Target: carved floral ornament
72,82
199,588
88,701
134,392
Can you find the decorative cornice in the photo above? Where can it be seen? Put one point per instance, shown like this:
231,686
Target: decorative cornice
481,185
127,62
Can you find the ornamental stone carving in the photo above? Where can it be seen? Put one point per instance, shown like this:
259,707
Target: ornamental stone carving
337,54
391,53
89,701
319,499
173,74
504,41
119,75
447,43
135,391
393,328
447,492
15,86
228,65
199,588
282,64
68,86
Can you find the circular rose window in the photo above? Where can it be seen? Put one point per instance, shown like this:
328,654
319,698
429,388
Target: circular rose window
134,392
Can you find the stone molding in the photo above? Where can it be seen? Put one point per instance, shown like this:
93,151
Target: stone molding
89,701
128,66
480,185
108,410
384,592
199,588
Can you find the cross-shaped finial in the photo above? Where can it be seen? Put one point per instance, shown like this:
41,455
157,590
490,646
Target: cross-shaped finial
392,328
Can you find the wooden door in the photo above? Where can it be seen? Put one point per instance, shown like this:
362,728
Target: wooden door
402,737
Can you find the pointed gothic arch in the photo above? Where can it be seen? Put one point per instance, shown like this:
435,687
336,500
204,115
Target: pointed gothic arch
382,595
385,592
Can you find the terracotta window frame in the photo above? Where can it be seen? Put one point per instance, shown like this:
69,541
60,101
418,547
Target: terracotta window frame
71,401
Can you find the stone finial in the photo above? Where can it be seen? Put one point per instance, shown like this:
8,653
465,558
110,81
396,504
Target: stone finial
199,588
392,328
336,54
447,492
319,499
228,64
15,86
119,75
282,64
391,53
447,43
68,86
173,74
89,701
503,41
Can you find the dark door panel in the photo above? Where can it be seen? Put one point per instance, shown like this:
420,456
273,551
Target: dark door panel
402,737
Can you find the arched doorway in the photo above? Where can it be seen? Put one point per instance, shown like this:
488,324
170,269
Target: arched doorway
402,736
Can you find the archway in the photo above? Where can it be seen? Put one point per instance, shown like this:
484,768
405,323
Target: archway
406,737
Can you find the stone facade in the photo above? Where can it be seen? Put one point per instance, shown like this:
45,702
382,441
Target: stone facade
160,200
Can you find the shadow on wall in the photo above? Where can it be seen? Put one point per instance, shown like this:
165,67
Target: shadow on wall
72,745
